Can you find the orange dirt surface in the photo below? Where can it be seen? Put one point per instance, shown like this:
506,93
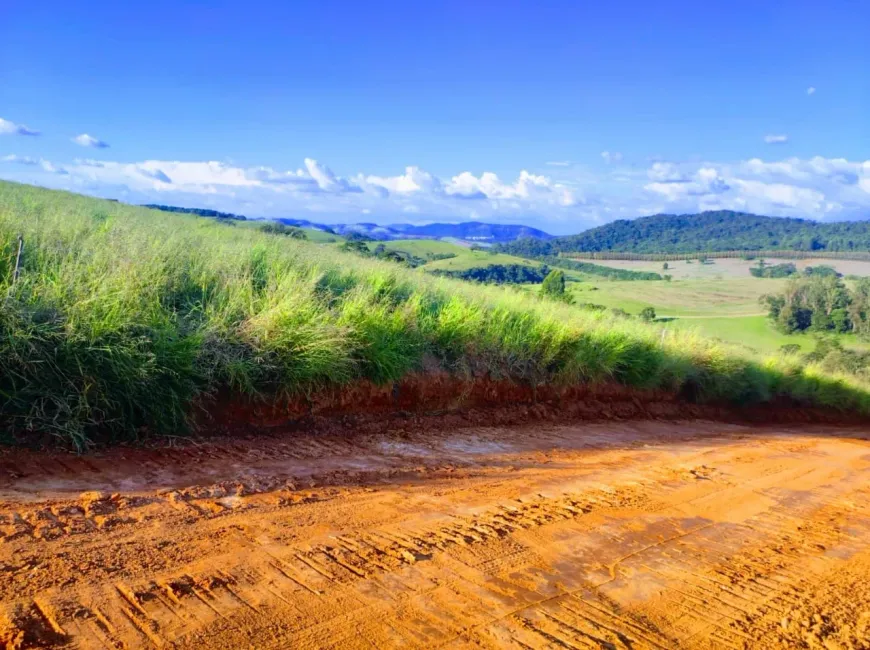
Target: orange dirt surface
611,535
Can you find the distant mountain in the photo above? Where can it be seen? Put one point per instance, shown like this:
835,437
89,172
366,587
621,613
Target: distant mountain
471,231
475,231
484,233
722,230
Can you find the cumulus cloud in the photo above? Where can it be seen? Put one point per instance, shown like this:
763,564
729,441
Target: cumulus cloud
776,138
413,180
86,140
665,172
11,128
819,188
825,188
611,157
811,90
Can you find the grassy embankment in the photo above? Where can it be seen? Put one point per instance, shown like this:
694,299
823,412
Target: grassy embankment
122,316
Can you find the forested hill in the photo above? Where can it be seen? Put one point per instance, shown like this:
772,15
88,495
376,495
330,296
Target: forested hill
705,232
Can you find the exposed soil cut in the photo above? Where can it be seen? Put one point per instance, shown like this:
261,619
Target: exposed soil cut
636,535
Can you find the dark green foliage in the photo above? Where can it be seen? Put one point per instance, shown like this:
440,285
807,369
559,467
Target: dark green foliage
357,237
794,319
820,303
822,271
200,212
790,348
500,274
775,271
665,266
591,306
840,321
358,246
275,228
647,314
553,285
705,232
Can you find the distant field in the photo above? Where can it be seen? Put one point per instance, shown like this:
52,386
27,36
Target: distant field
423,247
731,267
465,257
682,298
725,309
320,237
754,332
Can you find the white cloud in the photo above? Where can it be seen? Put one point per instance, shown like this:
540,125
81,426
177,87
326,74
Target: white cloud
611,157
86,140
816,188
42,163
528,187
11,128
51,168
559,163
811,90
665,172
413,180
826,188
21,160
776,138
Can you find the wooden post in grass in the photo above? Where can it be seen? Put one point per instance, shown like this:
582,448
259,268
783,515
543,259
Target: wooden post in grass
17,271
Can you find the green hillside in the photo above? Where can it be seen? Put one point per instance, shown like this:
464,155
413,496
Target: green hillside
705,232
121,318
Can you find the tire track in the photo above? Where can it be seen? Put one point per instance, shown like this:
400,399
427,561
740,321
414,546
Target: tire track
708,541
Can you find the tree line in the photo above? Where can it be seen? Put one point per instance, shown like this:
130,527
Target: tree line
200,212
499,274
713,231
821,303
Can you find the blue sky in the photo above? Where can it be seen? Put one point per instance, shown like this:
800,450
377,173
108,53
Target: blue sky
443,111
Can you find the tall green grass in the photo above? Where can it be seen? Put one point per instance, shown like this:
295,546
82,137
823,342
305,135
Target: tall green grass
122,316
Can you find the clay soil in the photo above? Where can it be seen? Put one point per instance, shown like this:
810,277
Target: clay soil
645,534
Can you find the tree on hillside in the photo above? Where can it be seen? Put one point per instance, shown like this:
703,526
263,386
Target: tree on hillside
277,228
819,303
554,285
665,266
356,246
648,314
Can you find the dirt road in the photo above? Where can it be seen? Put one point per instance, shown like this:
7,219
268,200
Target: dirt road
614,535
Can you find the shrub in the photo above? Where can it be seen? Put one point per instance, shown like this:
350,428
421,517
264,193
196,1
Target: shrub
647,314
277,228
553,285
